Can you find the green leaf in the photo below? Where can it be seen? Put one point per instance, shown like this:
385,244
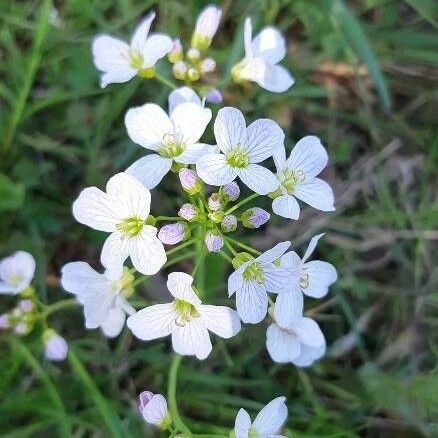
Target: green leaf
11,194
426,8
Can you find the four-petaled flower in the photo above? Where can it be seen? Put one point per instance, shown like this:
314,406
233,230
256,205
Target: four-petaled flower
173,137
122,211
120,61
16,272
103,298
242,147
297,177
186,319
262,54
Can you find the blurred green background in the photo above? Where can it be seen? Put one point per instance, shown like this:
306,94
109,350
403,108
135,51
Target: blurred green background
366,75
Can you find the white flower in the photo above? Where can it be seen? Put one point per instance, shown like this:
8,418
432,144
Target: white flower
297,176
173,138
255,278
16,272
120,61
153,408
262,54
207,24
102,297
122,211
55,346
242,147
316,276
267,423
293,337
186,319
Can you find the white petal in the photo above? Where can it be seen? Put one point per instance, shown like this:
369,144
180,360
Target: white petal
312,245
221,320
264,138
291,260
235,280
309,332
110,54
150,170
115,251
321,276
20,265
274,78
147,252
252,302
214,169
279,157
230,129
147,125
272,417
113,324
195,151
308,355
117,76
288,309
309,156
258,179
139,38
180,286
130,196
317,193
156,410
153,322
247,37
192,339
270,45
279,280
282,346
274,253
182,95
157,46
286,206
242,424
190,120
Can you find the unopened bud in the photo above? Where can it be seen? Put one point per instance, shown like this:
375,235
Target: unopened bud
213,241
172,234
55,346
188,212
4,321
179,70
214,202
206,27
193,74
240,258
193,54
25,305
153,408
229,223
190,181
176,54
230,191
255,217
208,65
214,96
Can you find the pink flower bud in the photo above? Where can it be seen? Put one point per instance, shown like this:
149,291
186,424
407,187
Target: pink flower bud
214,242
176,54
153,408
4,321
188,212
190,181
193,54
208,65
229,223
214,202
208,22
25,305
174,233
255,217
56,347
179,70
214,96
231,191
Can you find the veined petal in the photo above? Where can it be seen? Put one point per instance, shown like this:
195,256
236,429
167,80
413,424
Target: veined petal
113,324
97,307
195,151
280,280
118,76
147,252
308,156
264,137
291,260
258,179
190,120
242,424
150,170
192,339
235,280
252,302
110,54
274,253
274,78
309,332
115,251
230,129
140,35
221,320
153,322
214,169
312,245
182,95
20,264
288,309
147,125
317,193
272,417
286,206
180,285
270,45
308,355
321,276
279,157
282,346
157,46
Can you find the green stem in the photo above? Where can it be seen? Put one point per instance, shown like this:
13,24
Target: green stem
60,305
201,257
171,395
167,218
242,202
165,81
229,246
181,246
243,245
226,256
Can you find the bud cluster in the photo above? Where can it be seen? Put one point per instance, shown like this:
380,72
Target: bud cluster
21,319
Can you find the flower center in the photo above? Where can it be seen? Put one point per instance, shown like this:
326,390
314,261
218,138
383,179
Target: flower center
291,179
254,272
186,312
237,157
15,279
125,284
172,146
131,227
304,281
135,59
253,433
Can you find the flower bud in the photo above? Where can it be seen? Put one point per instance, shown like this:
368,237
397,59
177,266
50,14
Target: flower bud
188,212
179,70
214,202
190,181
174,233
230,191
193,54
206,27
255,217
240,258
193,74
176,54
214,96
4,321
56,347
25,305
153,408
208,65
229,223
22,328
213,241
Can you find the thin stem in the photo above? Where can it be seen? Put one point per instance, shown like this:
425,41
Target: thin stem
167,218
165,81
183,245
60,305
171,395
201,257
242,202
229,246
243,245
226,256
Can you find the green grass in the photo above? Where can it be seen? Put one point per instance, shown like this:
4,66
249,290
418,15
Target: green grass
59,132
